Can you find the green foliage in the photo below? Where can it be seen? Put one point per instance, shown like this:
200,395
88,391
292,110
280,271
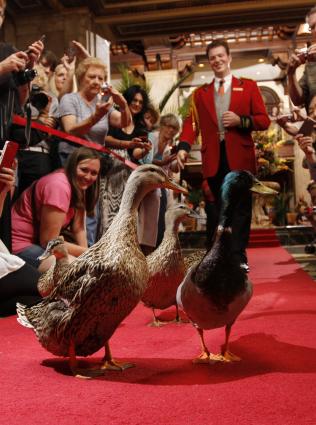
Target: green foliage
267,143
128,79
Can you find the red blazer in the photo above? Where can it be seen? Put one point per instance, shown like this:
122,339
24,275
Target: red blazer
245,100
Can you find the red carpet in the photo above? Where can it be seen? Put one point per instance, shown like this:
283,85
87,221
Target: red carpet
274,384
263,238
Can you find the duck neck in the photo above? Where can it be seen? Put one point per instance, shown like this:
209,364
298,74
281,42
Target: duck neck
172,226
133,195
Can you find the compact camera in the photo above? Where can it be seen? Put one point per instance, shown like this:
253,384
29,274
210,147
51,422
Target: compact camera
304,55
105,92
24,77
38,98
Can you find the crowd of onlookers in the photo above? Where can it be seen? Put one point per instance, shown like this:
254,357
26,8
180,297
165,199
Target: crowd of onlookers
58,187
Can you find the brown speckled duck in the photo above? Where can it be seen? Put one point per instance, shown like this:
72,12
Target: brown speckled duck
166,265
101,287
216,290
48,280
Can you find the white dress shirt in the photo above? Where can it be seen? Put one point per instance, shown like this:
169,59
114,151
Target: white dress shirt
227,82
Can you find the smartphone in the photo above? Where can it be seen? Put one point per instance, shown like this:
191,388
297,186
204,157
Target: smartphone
42,39
8,154
307,127
71,52
7,157
144,139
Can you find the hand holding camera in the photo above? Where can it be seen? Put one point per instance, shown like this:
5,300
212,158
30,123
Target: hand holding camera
301,56
106,93
14,63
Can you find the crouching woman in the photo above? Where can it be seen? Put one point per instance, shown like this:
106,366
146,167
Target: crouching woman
53,204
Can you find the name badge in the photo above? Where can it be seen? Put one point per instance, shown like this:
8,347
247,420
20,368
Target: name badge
238,89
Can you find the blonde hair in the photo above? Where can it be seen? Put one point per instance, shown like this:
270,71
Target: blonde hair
41,78
85,65
170,120
52,84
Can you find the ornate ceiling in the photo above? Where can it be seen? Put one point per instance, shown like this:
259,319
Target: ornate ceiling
151,20
173,33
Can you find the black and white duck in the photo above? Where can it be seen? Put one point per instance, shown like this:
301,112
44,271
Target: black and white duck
166,265
216,290
101,287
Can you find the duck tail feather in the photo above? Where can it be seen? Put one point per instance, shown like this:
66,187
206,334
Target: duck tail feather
22,319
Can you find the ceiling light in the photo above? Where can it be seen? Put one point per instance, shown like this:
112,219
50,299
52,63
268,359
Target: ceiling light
201,65
261,60
203,77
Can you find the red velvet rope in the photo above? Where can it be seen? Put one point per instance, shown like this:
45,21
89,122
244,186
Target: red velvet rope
65,136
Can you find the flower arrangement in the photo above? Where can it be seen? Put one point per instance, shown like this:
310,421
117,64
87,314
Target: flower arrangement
267,144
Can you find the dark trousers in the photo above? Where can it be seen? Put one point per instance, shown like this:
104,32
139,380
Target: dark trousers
18,286
242,211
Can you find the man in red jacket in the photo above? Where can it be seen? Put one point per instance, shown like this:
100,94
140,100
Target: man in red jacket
223,114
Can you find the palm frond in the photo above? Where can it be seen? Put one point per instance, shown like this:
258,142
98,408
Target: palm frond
172,89
128,79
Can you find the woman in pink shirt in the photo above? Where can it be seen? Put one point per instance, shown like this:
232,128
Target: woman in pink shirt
56,201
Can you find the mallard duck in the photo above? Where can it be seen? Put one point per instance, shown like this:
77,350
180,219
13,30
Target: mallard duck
166,265
101,287
48,280
216,290
193,258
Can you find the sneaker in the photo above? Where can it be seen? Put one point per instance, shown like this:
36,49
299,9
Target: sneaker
244,267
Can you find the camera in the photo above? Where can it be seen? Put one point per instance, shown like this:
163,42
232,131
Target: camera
38,98
304,55
106,94
24,77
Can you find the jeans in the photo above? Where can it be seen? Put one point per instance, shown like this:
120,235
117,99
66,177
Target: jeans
30,255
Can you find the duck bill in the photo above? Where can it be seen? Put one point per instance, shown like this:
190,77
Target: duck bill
259,187
171,184
45,255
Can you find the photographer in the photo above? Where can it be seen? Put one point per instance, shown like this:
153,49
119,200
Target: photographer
15,71
13,64
40,157
302,91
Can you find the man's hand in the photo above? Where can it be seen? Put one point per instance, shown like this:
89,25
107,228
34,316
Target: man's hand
181,158
13,63
230,119
294,62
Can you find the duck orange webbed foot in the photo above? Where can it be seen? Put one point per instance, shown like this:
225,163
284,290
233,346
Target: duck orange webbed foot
208,358
157,323
115,365
230,357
